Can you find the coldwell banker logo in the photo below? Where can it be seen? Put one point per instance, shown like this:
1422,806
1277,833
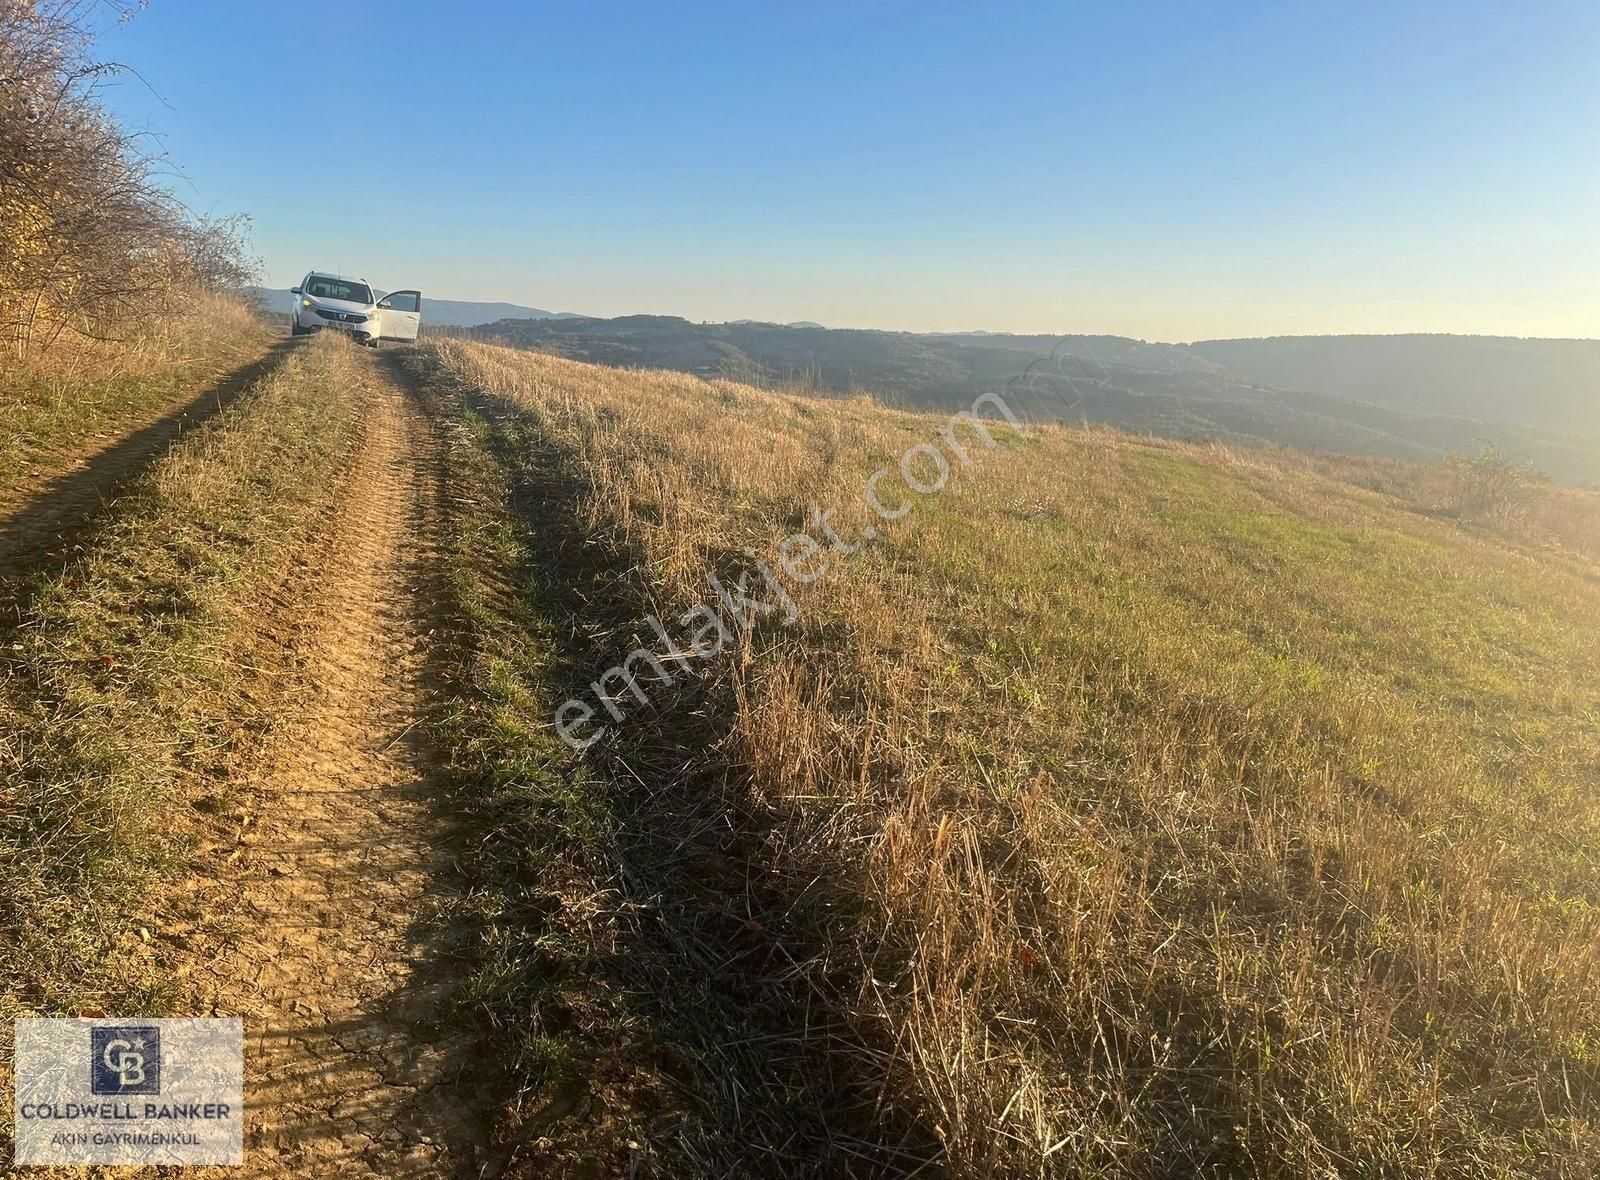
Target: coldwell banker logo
151,1090
125,1060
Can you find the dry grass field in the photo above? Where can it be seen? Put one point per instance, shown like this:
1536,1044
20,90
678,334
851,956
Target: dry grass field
530,769
57,406
1126,808
134,689
571,771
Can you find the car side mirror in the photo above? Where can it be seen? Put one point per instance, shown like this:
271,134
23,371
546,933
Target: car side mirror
383,303
294,290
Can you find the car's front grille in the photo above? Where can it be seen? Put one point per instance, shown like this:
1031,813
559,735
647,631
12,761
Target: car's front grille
342,317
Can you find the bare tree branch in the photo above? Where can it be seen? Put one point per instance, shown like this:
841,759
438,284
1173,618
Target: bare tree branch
90,230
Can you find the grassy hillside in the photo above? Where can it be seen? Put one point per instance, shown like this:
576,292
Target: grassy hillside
1126,807
1176,392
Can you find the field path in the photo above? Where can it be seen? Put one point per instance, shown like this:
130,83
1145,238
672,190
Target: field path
43,528
335,968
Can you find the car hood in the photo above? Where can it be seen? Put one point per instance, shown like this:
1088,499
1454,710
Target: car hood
341,305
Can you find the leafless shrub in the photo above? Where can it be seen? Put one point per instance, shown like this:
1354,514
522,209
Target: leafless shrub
89,233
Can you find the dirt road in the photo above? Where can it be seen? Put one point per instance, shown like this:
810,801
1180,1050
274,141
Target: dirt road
335,967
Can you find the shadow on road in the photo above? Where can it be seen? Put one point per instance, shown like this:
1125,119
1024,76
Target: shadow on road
50,525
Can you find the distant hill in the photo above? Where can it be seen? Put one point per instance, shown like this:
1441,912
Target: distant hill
769,324
1542,411
1543,384
898,364
444,313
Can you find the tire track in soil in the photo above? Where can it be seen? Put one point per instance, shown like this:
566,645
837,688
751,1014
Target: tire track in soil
46,526
351,1069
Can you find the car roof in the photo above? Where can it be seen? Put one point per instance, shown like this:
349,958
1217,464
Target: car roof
328,274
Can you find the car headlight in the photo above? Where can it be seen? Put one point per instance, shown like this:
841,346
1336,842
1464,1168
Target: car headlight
307,303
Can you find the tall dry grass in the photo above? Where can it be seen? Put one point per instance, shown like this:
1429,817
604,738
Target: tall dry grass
1135,808
54,405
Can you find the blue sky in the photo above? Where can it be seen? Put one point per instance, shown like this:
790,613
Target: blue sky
1167,171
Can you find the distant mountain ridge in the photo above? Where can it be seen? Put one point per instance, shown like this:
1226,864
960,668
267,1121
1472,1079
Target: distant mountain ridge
771,324
1315,393
1543,384
1409,396
444,313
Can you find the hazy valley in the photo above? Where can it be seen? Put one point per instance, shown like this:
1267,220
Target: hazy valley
1416,397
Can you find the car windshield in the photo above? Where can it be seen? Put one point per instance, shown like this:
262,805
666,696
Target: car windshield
321,288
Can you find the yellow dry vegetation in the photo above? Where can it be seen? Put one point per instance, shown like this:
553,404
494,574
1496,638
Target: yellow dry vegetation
1130,807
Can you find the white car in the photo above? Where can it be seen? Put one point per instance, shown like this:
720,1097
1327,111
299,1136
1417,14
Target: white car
349,305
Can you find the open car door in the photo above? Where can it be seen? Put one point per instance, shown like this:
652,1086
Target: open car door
400,315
